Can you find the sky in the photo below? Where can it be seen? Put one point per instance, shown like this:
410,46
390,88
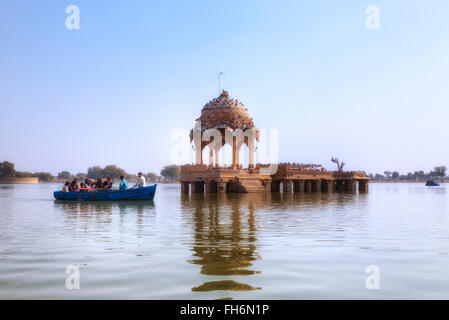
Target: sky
115,90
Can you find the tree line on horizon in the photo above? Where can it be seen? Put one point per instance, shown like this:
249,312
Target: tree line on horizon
438,172
169,172
172,173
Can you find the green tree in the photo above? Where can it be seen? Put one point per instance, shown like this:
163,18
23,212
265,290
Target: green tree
151,176
80,176
395,175
439,172
379,177
23,174
171,172
95,172
43,176
113,171
419,175
7,169
64,175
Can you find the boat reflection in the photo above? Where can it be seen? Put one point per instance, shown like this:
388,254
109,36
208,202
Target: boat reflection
99,215
104,206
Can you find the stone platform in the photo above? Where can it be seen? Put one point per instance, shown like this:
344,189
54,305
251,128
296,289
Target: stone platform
202,178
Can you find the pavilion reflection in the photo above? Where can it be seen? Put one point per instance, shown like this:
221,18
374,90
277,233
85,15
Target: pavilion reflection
225,228
224,240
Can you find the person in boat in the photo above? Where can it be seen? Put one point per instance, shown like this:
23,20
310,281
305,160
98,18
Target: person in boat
108,183
140,181
99,184
89,183
66,187
74,186
123,183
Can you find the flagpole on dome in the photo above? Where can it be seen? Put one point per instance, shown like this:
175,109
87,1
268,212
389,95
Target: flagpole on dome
219,82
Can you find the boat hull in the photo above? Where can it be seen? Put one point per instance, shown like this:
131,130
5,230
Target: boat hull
144,193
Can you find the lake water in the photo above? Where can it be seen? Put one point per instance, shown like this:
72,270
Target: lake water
239,246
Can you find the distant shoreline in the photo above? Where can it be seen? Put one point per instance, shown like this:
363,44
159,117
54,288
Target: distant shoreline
403,181
27,180
35,180
116,182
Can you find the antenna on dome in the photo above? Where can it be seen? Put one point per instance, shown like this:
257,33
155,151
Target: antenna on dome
219,82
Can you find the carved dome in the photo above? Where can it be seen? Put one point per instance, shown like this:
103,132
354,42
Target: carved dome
224,112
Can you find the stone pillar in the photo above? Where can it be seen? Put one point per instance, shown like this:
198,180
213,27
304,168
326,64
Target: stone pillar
198,187
308,186
298,186
275,186
329,185
184,187
363,186
267,186
211,157
339,187
237,155
201,187
197,137
217,158
287,186
198,155
324,185
234,151
250,152
350,185
211,187
221,186
316,186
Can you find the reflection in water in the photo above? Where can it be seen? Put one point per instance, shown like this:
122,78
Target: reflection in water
290,246
225,229
6,187
225,285
103,206
224,239
89,207
95,215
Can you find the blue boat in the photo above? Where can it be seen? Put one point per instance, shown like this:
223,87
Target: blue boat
431,183
144,193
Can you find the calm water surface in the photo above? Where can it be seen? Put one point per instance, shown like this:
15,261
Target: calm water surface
240,246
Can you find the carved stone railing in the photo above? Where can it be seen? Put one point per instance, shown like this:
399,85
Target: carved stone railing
350,174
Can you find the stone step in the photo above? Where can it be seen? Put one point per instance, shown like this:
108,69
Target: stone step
251,185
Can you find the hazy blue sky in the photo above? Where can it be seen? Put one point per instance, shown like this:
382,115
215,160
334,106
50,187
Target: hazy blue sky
114,90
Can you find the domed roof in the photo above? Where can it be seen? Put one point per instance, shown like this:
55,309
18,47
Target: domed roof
225,112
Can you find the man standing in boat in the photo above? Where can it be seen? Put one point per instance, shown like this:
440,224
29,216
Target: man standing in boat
140,181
